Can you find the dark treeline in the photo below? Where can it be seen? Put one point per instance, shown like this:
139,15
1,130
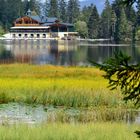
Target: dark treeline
116,21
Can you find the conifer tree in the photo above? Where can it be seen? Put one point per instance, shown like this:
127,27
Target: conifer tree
93,24
46,8
53,8
106,21
113,23
73,11
130,14
86,12
62,10
123,29
138,12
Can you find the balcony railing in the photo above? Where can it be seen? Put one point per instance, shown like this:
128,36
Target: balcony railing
26,24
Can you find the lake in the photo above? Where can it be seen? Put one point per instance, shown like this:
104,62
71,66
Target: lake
62,52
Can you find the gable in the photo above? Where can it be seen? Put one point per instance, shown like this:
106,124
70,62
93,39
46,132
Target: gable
26,20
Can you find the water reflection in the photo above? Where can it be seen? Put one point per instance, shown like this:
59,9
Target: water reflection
62,52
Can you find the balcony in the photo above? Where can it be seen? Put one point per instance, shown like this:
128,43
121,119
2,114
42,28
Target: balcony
26,24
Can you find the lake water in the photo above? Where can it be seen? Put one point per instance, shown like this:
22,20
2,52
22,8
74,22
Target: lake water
62,52
31,114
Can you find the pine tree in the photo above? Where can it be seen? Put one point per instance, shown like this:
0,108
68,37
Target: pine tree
138,12
2,11
123,29
86,12
46,8
93,24
106,21
11,12
32,5
117,6
113,23
62,10
53,8
73,11
130,14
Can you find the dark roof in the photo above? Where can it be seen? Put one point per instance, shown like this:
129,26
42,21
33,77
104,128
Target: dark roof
63,24
51,19
48,24
43,19
37,18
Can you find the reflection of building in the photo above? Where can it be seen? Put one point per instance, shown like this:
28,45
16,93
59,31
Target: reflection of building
30,26
58,52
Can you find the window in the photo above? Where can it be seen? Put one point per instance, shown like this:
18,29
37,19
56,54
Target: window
26,35
14,35
32,35
44,35
38,35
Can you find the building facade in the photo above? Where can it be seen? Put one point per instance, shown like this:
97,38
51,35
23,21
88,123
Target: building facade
30,26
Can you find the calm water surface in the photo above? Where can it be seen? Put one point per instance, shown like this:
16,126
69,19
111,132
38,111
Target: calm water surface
62,52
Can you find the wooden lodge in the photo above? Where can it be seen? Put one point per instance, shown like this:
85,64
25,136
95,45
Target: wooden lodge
30,26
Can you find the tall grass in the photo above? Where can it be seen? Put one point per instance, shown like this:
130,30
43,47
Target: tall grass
58,131
58,86
59,92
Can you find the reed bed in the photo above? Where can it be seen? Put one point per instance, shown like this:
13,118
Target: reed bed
58,92
58,86
58,131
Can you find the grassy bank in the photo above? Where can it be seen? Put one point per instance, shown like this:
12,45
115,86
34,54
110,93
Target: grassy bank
58,131
58,86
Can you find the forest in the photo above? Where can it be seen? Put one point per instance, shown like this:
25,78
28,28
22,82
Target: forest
116,22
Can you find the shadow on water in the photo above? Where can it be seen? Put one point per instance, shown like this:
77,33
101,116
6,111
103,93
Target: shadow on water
62,52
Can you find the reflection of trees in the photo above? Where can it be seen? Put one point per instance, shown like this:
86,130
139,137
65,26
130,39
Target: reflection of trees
136,52
102,53
5,55
80,55
67,52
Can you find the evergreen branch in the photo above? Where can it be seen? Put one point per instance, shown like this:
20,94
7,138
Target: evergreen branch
124,75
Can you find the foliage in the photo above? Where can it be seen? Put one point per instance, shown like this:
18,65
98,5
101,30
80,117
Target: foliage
105,21
121,73
12,9
53,8
123,28
63,10
129,2
81,28
73,10
93,24
137,37
85,13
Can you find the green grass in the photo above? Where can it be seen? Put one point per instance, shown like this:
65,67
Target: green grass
58,86
58,131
